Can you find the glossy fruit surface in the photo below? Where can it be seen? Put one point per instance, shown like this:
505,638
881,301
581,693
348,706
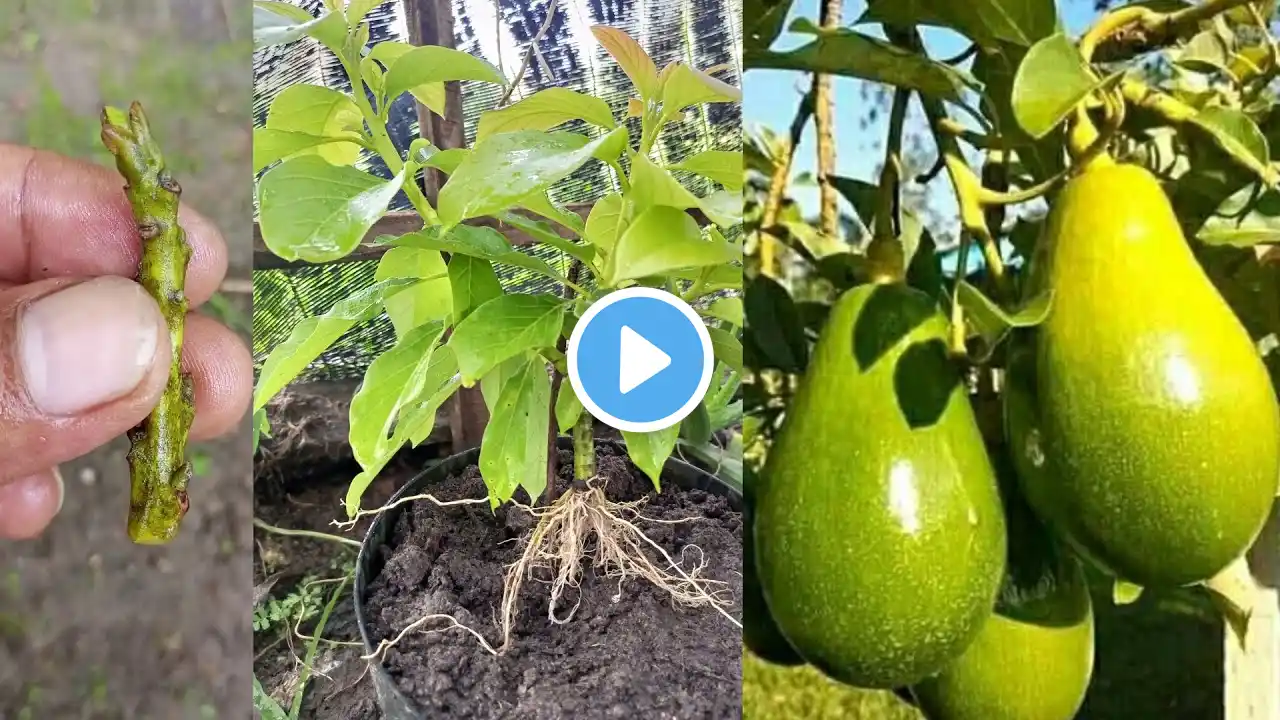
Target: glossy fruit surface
879,536
1152,415
1033,658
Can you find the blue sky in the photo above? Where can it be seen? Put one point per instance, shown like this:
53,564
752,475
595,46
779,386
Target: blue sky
770,97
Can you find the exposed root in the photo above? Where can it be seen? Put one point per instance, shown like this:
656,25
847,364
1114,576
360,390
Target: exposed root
581,524
376,655
348,524
564,537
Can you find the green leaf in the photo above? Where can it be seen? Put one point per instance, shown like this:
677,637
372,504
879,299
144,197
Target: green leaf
997,71
544,110
314,335
426,301
357,9
568,407
503,169
719,166
774,329
1051,81
696,428
513,452
727,348
762,23
473,283
434,64
685,86
482,242
503,328
443,380
280,23
632,58
1021,22
1244,221
723,208
1125,593
1207,51
604,223
430,94
266,705
851,54
992,321
270,145
317,212
540,204
415,421
318,111
544,233
1239,136
492,382
649,451
663,238
392,381
447,161
728,309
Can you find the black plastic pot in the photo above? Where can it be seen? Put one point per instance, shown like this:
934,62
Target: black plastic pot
395,705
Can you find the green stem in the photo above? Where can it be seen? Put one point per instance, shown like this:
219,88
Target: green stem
158,471
383,145
584,449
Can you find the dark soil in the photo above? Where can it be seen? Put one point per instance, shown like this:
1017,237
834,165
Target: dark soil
627,653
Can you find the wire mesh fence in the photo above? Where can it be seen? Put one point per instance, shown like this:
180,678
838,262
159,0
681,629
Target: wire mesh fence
702,33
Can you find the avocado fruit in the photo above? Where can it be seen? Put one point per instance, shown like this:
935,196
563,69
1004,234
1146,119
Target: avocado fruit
1148,417
1033,659
879,536
759,632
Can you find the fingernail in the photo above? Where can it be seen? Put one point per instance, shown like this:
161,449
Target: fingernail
88,344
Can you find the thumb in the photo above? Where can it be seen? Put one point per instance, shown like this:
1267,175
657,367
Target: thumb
80,364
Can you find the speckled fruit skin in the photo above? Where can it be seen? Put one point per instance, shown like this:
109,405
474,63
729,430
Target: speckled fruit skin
1033,659
759,632
1018,670
879,535
1154,413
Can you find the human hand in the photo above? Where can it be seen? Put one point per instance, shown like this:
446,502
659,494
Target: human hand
84,353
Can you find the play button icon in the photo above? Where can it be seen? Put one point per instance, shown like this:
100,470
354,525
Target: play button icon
640,359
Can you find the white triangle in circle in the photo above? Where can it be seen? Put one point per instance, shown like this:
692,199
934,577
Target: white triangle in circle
638,361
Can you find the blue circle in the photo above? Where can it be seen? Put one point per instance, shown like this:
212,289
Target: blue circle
661,324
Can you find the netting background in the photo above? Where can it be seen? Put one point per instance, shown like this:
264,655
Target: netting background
702,33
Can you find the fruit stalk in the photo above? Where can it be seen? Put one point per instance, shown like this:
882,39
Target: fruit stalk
158,471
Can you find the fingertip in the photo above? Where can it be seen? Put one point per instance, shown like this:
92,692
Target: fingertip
221,369
28,504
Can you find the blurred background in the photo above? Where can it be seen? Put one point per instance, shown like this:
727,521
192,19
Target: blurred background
91,625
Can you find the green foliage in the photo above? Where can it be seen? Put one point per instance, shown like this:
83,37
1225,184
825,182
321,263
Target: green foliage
455,325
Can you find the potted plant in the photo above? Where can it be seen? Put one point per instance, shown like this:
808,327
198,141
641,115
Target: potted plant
434,563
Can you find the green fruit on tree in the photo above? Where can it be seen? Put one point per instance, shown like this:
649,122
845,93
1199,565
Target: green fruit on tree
1033,658
1151,422
759,632
879,536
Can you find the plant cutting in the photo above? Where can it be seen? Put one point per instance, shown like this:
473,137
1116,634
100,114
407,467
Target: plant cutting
158,470
1104,351
456,326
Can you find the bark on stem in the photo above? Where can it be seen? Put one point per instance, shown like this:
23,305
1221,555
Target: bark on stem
824,120
158,471
584,449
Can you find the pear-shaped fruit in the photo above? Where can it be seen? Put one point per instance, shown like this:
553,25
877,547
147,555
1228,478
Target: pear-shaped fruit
759,632
1153,426
879,536
1033,658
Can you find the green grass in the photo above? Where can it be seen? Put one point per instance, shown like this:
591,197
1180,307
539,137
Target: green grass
770,692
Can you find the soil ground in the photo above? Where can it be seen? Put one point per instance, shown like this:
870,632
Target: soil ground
345,690
627,652
92,626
